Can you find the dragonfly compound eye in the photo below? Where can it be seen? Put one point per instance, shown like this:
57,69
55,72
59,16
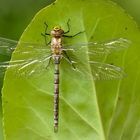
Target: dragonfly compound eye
57,31
57,28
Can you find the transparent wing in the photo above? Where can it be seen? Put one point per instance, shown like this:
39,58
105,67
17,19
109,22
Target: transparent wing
80,64
94,48
29,59
98,71
27,67
32,59
7,46
27,47
100,48
101,71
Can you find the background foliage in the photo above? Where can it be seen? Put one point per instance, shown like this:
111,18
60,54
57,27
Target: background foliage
131,7
15,15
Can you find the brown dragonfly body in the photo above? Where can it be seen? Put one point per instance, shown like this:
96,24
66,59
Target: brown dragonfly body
56,48
57,35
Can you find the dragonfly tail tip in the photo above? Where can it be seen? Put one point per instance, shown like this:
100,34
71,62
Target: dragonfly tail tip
55,129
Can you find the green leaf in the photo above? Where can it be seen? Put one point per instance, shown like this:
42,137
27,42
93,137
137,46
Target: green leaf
104,110
5,55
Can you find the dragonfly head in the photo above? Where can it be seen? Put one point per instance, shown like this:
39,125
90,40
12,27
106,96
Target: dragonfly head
57,28
57,31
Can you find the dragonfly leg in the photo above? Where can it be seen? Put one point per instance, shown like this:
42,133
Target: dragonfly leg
70,36
49,61
68,25
46,27
68,58
45,33
48,43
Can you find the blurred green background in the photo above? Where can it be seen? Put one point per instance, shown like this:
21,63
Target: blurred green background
132,7
15,15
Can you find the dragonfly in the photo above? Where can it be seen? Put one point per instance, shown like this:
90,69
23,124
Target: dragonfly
56,50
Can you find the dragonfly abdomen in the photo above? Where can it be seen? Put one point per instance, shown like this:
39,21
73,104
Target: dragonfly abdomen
56,92
56,47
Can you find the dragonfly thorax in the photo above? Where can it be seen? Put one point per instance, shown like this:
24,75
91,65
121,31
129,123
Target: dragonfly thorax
57,32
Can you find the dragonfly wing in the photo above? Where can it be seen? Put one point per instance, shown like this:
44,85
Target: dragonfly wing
110,46
30,66
27,47
33,67
99,48
97,70
102,71
7,46
29,58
